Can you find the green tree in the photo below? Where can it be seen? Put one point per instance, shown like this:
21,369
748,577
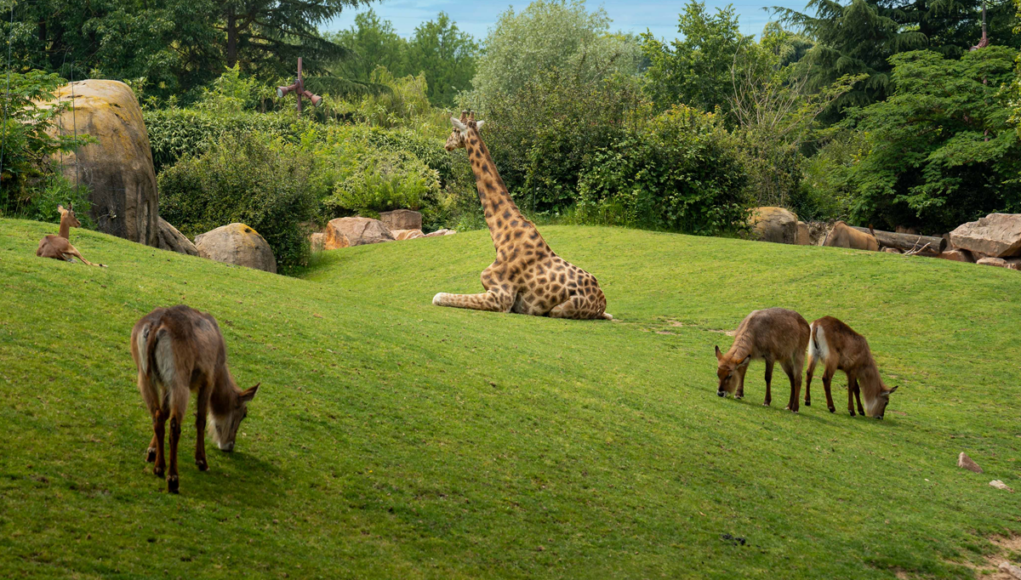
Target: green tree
695,70
371,43
941,151
446,56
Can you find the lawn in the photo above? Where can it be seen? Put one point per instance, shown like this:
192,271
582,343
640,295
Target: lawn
395,439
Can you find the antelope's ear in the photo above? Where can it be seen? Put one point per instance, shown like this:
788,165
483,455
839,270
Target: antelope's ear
60,209
479,125
249,394
719,355
892,390
746,360
458,124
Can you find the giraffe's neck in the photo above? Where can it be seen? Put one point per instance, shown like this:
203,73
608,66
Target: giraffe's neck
500,210
65,229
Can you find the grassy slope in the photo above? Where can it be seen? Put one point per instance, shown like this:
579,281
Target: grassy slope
392,438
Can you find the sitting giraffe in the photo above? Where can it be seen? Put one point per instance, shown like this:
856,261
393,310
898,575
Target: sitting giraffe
59,246
527,276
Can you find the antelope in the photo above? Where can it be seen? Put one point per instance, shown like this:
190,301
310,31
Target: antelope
178,351
59,246
773,335
839,347
844,236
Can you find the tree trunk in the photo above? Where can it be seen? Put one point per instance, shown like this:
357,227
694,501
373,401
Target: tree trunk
232,38
907,242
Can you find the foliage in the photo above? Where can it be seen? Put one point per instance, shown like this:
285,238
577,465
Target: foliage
825,191
28,141
695,70
548,35
678,173
941,151
383,182
232,93
255,179
404,104
51,190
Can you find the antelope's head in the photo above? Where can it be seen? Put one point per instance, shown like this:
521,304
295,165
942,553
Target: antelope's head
224,429
67,216
877,407
729,372
460,133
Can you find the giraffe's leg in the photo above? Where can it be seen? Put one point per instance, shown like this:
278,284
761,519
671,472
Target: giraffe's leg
495,300
580,308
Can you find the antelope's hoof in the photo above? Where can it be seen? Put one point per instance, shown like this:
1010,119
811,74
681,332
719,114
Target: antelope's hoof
150,455
173,483
808,403
832,410
721,394
852,413
202,465
158,471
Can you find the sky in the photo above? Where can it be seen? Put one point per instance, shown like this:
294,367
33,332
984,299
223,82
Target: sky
478,16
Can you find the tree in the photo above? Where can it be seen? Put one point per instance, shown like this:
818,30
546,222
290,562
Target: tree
446,56
371,43
695,70
941,151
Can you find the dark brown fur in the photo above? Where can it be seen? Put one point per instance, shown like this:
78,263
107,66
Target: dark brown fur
179,351
773,335
849,352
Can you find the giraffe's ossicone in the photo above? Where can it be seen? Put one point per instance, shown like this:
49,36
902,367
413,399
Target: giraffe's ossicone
527,276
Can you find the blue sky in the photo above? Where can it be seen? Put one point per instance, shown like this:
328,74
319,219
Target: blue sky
477,17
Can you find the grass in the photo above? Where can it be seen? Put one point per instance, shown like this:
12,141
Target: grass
392,438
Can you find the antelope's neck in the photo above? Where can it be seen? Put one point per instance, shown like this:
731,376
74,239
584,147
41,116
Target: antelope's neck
65,229
500,210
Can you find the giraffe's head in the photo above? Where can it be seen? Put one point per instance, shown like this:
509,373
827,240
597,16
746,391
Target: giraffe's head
460,132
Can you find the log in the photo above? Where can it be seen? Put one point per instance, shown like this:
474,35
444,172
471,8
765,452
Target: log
906,242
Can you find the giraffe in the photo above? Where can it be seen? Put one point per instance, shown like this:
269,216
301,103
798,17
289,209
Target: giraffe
527,276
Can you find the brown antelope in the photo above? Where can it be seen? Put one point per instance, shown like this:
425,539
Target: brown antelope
177,351
59,246
844,236
839,347
773,335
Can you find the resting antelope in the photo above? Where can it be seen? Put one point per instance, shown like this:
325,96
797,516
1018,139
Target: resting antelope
773,335
178,351
839,347
59,246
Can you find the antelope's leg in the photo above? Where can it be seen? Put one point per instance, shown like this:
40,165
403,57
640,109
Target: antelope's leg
201,409
808,381
178,407
827,379
788,367
769,381
151,397
72,251
851,381
739,391
159,422
857,397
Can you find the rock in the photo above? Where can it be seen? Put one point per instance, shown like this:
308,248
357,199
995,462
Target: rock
842,235
804,236
317,241
773,224
118,169
1000,262
401,219
356,231
957,256
997,235
407,234
173,240
1000,485
237,244
1008,568
892,251
439,233
965,462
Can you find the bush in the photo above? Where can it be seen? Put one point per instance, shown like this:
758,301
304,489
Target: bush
678,174
384,181
255,179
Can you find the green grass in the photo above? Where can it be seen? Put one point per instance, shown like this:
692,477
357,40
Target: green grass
392,438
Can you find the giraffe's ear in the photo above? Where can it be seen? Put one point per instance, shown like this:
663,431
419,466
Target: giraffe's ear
458,124
479,125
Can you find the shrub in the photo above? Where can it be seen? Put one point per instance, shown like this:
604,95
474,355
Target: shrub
678,174
383,181
255,179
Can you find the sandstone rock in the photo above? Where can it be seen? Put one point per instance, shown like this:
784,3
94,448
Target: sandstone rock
407,234
317,241
965,462
804,236
438,233
957,256
237,244
1000,485
173,240
1000,262
892,251
1008,568
997,235
774,224
356,231
401,219
118,169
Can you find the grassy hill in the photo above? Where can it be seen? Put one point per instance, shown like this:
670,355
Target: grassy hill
392,438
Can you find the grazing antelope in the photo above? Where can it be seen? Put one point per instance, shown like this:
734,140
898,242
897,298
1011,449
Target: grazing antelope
839,347
773,335
178,351
59,246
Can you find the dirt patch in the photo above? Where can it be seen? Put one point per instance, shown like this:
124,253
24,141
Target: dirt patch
678,324
990,570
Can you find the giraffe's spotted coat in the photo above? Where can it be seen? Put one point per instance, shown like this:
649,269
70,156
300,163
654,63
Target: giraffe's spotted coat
527,276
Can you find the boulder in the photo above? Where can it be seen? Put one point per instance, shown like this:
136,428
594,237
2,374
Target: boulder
957,256
173,240
118,169
774,224
401,219
317,241
237,244
1000,262
356,231
439,233
1000,485
804,236
407,234
965,462
997,235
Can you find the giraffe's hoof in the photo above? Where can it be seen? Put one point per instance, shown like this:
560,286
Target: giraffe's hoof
439,296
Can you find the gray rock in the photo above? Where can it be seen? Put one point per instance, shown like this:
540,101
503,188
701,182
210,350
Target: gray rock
172,240
401,219
998,235
237,244
774,224
356,231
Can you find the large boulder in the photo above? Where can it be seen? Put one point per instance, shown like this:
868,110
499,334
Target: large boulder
355,231
774,224
118,168
997,235
401,219
441,233
400,235
237,244
1000,263
174,241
